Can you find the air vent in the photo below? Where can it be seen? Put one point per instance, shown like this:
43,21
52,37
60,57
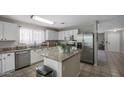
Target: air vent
62,23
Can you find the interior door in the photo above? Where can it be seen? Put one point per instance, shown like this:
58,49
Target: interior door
61,35
113,41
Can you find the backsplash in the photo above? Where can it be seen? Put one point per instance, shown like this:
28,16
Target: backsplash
7,44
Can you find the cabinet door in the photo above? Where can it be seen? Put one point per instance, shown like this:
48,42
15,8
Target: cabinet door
36,56
1,30
46,35
68,34
55,35
75,32
51,35
33,56
63,35
39,54
60,36
10,31
8,61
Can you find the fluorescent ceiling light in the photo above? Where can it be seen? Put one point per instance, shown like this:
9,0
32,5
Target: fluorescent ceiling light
41,19
116,29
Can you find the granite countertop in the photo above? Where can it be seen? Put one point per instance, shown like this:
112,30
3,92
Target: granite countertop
57,55
15,50
54,53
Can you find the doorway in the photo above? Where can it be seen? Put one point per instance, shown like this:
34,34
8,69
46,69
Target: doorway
101,41
112,41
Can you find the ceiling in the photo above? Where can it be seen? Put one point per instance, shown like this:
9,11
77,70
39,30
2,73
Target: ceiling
82,22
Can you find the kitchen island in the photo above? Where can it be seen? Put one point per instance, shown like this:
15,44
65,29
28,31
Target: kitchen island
64,64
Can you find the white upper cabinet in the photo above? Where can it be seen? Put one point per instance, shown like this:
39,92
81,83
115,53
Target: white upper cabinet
51,35
61,35
8,31
67,34
75,33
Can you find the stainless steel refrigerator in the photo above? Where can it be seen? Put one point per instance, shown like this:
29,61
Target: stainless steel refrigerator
87,53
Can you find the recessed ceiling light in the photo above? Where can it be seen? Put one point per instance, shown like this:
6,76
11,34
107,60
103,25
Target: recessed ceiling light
40,19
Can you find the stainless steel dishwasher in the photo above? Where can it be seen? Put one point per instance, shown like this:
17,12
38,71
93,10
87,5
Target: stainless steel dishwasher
22,59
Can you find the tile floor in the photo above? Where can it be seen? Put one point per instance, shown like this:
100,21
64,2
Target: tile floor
109,65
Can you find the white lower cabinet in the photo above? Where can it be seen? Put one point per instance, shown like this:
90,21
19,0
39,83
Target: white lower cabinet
36,56
7,62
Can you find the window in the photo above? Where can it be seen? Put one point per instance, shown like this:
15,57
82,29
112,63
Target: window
31,36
